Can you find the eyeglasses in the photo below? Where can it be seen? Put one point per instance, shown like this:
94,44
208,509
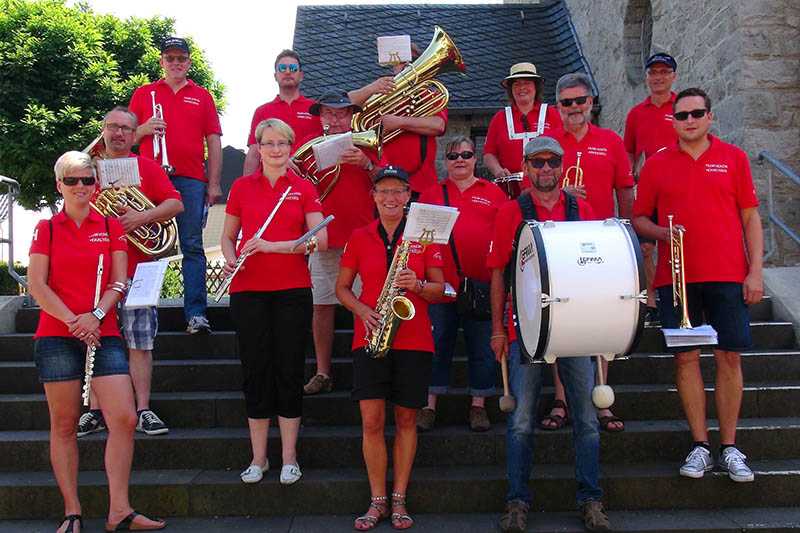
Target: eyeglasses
72,181
294,67
466,154
553,162
660,72
390,192
114,128
280,144
567,102
696,113
175,59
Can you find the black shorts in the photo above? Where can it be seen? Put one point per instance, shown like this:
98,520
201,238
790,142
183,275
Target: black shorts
402,377
720,304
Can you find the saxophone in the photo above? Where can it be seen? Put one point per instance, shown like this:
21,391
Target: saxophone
392,306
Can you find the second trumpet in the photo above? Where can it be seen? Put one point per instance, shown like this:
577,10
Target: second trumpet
160,139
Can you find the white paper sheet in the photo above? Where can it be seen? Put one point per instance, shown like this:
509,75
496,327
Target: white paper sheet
699,336
328,152
394,49
146,285
119,172
427,221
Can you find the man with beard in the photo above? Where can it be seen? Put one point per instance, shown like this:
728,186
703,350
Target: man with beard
543,201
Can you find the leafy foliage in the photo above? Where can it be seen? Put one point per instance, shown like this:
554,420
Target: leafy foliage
61,69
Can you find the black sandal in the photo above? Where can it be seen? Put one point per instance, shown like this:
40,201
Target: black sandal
71,518
126,524
553,422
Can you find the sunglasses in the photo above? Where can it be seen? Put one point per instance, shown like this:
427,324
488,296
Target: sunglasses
466,154
291,68
173,59
72,181
696,113
567,102
553,162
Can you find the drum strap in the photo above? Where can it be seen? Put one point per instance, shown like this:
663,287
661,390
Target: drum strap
390,245
528,209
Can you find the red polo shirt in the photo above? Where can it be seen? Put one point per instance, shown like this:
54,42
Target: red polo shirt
72,252
507,151
477,207
157,187
404,151
604,162
296,115
365,254
190,115
706,197
252,199
505,230
648,128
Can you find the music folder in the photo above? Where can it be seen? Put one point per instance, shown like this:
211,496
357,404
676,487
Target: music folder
699,336
118,172
430,223
328,152
146,285
394,49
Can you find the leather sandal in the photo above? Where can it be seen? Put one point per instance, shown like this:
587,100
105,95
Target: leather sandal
607,421
128,524
400,520
368,521
71,518
553,422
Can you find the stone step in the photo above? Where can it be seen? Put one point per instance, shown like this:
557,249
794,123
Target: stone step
226,408
475,489
763,520
174,345
203,375
340,446
170,317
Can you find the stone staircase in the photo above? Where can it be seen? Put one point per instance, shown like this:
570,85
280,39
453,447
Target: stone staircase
193,471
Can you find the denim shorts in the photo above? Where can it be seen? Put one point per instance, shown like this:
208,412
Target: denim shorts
63,358
720,304
139,327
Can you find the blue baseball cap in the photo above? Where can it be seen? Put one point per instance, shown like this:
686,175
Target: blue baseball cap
661,58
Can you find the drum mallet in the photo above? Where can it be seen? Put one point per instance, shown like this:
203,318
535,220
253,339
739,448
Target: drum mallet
507,402
602,394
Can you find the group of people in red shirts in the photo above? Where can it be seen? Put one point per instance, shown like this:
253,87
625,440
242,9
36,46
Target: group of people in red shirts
283,288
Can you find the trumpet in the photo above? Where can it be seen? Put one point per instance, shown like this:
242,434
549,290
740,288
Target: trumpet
160,139
573,177
678,272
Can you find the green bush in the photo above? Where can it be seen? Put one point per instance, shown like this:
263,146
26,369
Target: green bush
173,282
8,285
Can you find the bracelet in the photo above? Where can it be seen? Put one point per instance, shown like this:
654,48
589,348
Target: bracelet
116,289
421,284
503,336
311,245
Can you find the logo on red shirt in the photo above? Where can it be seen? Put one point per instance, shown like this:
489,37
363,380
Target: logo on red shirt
305,115
598,150
480,200
99,236
191,100
717,167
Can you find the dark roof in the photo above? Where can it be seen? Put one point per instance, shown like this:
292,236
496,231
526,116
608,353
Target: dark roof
338,50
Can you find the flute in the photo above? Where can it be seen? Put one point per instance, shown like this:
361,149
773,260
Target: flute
88,368
311,234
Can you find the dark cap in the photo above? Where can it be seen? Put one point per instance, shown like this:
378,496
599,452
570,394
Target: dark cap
334,99
391,172
661,58
174,42
542,144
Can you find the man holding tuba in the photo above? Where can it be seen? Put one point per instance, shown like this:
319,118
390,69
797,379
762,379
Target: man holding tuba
139,326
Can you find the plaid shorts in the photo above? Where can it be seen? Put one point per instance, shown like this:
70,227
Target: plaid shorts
139,327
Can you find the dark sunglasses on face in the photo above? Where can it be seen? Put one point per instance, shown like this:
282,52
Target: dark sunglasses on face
567,102
291,68
553,162
466,154
72,181
684,115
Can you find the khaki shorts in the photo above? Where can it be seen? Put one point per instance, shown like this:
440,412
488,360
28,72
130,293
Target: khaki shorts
324,267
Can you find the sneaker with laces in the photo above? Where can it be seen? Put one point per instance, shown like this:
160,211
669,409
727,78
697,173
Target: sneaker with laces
91,422
732,461
198,324
290,474
318,383
150,424
698,462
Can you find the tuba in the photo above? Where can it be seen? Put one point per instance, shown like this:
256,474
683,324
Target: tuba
416,93
325,179
153,239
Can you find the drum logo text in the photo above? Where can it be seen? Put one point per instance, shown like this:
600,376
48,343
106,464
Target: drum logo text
585,260
525,256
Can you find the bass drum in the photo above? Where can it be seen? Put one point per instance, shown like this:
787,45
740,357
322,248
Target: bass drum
578,289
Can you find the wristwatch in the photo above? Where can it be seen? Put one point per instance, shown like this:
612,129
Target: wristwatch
98,313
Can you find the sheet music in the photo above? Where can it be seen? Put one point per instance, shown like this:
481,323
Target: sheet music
394,49
699,336
146,285
119,172
328,152
430,221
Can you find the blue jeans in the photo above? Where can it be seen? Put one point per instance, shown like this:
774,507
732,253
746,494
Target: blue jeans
525,381
482,365
190,233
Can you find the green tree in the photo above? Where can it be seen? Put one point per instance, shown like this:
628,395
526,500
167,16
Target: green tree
61,69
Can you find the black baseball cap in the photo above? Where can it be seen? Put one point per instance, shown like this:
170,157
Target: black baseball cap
661,58
391,172
174,42
334,99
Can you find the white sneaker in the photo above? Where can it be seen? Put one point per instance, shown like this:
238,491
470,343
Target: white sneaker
732,462
698,462
254,473
290,474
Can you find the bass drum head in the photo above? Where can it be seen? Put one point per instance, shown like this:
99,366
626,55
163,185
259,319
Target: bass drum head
527,283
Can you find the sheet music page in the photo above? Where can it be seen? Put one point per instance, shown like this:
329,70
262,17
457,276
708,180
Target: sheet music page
430,221
394,49
146,285
328,152
123,171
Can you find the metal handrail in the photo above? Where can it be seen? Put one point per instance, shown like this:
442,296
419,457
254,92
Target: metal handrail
13,191
775,220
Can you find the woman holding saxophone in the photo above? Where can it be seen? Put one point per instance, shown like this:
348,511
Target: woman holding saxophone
388,268
271,292
77,275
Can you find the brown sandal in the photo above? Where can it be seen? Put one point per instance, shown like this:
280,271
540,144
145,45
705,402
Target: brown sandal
400,520
553,422
368,521
606,421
